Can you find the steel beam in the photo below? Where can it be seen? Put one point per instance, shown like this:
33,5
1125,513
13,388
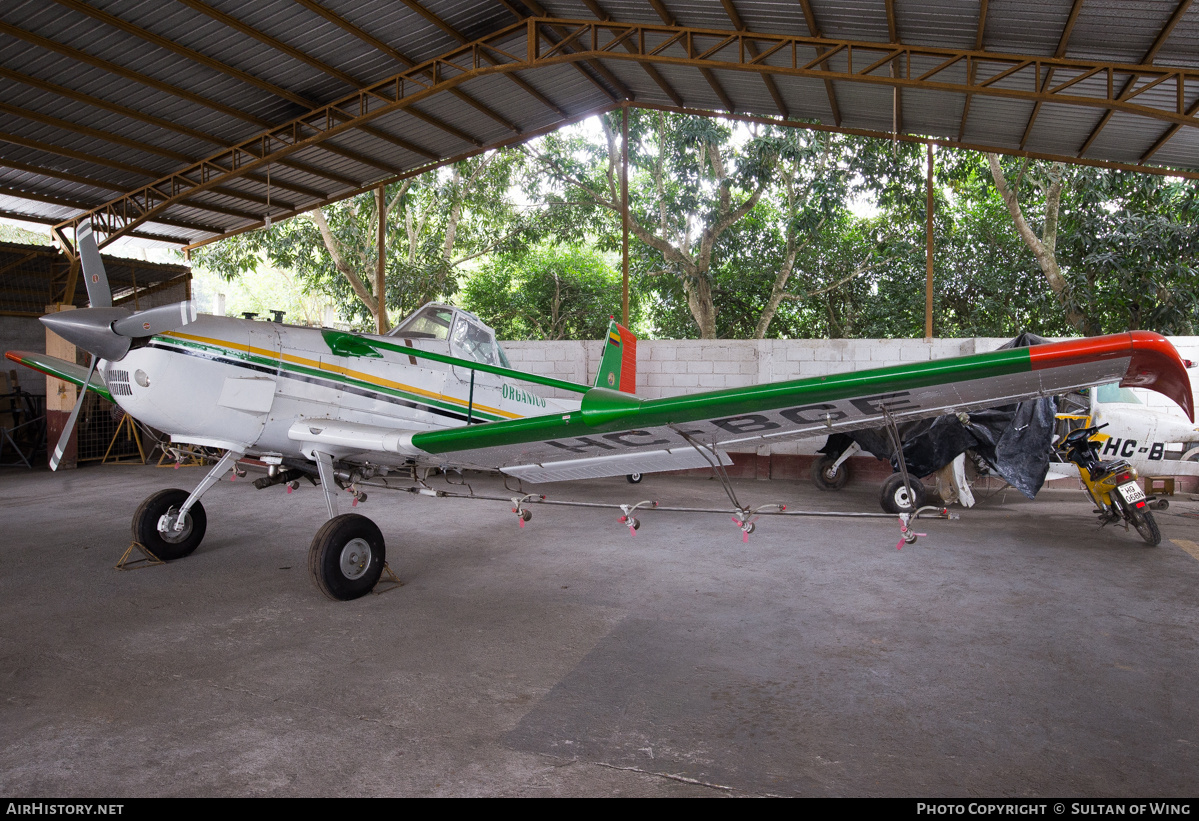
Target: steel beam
551,42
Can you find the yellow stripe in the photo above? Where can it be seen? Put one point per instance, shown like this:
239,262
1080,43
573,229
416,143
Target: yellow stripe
317,364
1188,546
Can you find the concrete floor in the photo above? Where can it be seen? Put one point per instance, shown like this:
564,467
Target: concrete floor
1019,651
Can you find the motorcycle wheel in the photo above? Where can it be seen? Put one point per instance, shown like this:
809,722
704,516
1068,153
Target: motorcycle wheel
1146,525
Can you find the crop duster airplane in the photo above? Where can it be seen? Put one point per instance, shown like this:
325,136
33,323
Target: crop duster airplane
437,392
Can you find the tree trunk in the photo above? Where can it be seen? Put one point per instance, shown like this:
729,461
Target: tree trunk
1044,247
334,248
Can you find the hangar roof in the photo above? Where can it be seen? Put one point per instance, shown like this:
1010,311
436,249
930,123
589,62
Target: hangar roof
188,120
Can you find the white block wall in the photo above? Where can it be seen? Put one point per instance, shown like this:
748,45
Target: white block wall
668,367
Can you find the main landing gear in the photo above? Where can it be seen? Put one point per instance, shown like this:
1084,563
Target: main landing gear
346,557
168,543
171,523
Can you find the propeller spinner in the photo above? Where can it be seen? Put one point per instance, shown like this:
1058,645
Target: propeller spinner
102,330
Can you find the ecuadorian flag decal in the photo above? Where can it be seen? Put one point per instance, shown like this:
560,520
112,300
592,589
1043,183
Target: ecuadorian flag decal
618,366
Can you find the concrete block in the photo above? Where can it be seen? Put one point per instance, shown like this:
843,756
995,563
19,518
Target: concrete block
699,366
713,381
674,366
799,350
915,350
830,352
685,380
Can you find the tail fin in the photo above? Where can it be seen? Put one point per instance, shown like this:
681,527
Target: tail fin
618,365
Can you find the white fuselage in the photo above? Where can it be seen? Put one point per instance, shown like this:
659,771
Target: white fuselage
242,384
1155,443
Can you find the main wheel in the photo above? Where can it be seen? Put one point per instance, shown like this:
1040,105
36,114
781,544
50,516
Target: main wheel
827,477
1146,525
633,478
346,557
173,544
895,498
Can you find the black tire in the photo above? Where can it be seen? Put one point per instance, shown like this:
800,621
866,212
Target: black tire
826,477
346,557
173,546
894,497
1146,525
633,478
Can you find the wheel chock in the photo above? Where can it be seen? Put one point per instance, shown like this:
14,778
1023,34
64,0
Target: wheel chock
387,582
148,559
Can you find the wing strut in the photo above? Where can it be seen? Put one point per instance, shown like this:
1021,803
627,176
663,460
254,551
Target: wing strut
907,535
743,516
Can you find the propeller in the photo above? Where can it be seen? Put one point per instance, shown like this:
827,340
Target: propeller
103,331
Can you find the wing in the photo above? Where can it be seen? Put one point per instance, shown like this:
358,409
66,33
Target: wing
615,433
60,369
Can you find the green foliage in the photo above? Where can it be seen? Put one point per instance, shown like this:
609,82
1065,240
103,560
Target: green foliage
549,292
1131,245
740,231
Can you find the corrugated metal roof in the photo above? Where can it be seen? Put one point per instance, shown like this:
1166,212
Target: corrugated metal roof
100,97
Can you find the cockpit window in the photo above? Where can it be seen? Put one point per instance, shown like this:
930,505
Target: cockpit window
471,341
432,322
468,337
1115,395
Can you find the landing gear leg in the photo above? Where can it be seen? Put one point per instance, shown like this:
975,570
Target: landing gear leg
171,523
347,555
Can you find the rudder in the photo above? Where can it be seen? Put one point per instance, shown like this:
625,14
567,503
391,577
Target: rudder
618,365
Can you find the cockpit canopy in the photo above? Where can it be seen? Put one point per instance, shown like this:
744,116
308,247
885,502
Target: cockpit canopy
467,336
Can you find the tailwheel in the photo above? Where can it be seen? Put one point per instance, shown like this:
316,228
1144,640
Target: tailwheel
155,520
826,475
895,497
347,557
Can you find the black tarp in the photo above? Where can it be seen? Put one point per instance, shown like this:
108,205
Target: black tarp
1014,440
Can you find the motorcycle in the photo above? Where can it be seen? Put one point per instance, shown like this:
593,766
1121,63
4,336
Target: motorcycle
1112,485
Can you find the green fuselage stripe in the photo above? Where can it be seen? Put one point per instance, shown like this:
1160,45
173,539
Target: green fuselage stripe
331,376
731,402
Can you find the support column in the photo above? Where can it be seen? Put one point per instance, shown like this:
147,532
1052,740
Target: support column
928,230
60,397
624,211
381,262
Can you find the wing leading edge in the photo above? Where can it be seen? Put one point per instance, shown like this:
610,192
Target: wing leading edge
610,426
60,369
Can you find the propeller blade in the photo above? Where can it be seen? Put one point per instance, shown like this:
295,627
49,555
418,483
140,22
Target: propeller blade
98,291
157,320
66,432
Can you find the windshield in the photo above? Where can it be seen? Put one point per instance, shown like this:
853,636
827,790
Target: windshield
431,322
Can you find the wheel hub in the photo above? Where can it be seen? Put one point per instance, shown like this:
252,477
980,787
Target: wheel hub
167,526
355,558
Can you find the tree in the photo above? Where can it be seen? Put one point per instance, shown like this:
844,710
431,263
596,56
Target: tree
1118,250
435,224
690,184
553,291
